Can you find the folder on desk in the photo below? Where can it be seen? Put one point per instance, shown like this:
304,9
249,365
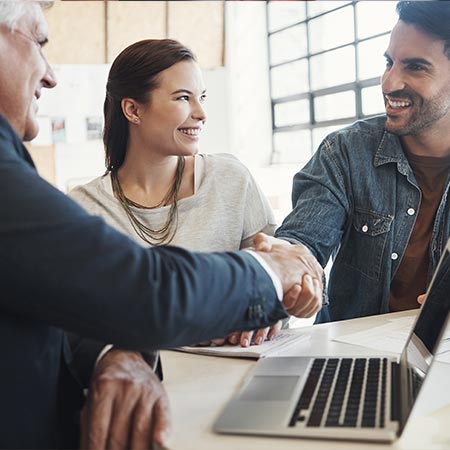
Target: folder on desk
353,398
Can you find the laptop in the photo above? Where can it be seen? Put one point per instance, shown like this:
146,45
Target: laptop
359,398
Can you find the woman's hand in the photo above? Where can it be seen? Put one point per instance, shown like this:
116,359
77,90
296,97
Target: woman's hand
246,338
254,337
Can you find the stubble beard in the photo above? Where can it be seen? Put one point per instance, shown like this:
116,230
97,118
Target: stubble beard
425,115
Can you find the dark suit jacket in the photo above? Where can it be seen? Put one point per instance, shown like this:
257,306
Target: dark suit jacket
61,269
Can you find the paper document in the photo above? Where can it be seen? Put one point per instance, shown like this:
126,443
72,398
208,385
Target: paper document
391,337
284,339
443,354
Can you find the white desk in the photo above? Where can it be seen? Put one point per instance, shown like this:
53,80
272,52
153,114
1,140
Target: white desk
200,386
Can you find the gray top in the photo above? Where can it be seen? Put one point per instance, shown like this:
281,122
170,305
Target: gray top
225,212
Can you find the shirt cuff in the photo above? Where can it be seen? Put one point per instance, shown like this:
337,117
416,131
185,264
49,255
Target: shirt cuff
150,357
273,276
105,350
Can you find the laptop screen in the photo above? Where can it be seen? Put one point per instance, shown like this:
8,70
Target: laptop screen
430,325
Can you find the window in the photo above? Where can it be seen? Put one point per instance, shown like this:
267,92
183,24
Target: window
326,60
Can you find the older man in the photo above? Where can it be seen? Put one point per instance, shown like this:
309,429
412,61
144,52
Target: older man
375,195
61,269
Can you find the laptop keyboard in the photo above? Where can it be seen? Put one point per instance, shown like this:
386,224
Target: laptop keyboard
344,392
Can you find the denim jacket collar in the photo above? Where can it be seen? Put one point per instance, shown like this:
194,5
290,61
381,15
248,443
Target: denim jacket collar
390,151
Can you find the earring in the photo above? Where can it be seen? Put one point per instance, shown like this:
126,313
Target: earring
136,119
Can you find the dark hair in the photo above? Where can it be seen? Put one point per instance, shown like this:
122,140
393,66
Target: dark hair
134,74
432,17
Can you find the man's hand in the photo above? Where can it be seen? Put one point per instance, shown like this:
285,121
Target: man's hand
299,272
420,299
127,406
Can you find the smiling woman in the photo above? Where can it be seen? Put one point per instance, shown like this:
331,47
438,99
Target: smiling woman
157,188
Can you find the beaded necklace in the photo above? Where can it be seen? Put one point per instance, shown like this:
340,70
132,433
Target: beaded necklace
166,233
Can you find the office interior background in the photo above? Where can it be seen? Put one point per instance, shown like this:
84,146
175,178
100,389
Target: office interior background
280,76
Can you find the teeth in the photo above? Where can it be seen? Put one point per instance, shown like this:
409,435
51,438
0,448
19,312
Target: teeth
402,104
190,131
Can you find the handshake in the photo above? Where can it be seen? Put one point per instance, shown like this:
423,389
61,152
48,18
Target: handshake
298,270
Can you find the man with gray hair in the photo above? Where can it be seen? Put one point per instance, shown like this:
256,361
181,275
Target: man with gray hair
61,269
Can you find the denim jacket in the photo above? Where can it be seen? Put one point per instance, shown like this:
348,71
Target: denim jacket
356,201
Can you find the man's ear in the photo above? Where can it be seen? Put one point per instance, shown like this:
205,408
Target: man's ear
130,110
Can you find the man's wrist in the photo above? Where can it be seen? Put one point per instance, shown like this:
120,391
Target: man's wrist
150,357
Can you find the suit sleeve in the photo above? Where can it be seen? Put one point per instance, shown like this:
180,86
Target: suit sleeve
65,268
84,353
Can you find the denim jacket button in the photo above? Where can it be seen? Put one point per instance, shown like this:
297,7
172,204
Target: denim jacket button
394,256
411,211
365,229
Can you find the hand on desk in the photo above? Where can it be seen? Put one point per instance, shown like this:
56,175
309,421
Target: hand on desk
254,337
299,272
247,338
126,407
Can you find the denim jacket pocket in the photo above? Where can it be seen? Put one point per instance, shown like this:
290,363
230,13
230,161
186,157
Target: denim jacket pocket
369,235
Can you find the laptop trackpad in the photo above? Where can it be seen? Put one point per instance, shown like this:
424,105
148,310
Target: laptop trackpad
270,388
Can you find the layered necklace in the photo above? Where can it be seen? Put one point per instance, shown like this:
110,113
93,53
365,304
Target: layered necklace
166,233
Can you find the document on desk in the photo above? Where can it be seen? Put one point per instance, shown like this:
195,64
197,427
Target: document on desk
391,337
284,338
443,353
